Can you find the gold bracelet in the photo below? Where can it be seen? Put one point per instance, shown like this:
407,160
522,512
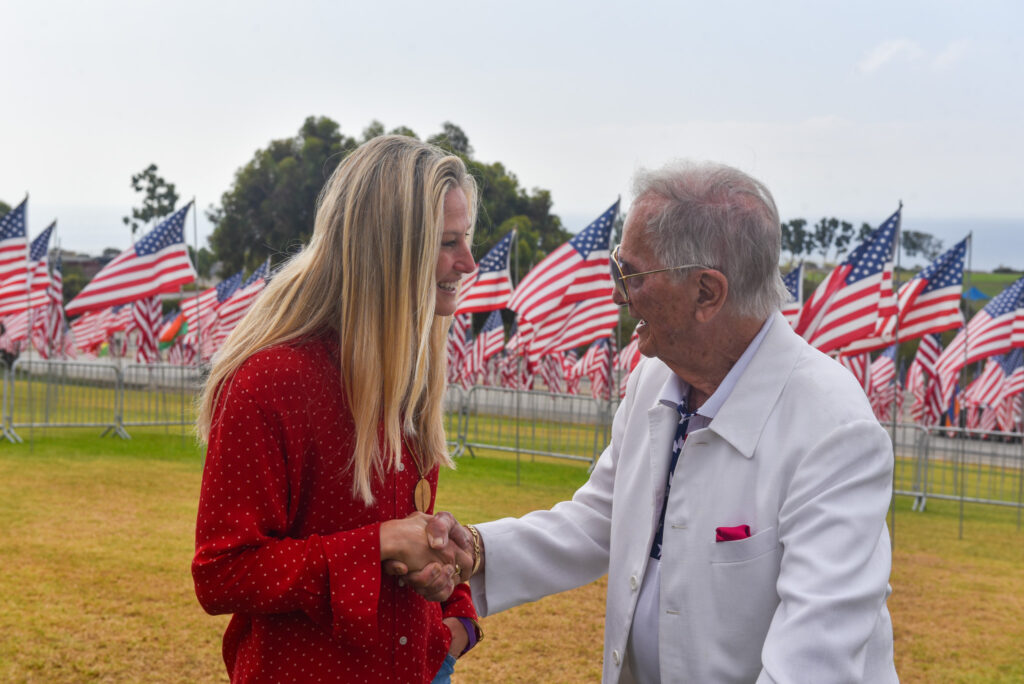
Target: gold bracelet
477,549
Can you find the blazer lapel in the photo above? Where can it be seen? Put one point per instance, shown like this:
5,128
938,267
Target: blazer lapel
662,421
744,414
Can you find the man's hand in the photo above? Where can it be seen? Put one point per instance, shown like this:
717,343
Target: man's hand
436,580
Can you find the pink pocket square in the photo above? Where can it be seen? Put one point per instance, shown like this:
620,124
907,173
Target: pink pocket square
732,533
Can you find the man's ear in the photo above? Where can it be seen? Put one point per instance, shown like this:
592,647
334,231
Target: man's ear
712,291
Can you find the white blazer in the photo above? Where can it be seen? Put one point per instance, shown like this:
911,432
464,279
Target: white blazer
795,453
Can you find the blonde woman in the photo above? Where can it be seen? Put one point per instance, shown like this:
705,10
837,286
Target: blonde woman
323,420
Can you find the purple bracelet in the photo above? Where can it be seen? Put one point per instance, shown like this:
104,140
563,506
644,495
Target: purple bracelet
470,632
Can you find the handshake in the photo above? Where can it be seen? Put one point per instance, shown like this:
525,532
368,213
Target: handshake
430,553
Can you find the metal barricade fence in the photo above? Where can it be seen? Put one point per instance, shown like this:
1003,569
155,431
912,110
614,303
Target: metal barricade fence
40,393
940,463
974,466
159,394
910,443
454,413
566,426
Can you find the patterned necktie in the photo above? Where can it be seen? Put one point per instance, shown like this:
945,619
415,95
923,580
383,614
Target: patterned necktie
677,447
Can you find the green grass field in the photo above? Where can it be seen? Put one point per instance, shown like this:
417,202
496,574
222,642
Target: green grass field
97,541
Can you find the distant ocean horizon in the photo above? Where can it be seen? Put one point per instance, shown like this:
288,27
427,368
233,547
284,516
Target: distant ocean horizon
996,242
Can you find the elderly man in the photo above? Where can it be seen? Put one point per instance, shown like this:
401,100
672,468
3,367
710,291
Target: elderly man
739,510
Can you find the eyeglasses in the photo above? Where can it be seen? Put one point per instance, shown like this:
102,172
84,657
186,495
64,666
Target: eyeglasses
619,278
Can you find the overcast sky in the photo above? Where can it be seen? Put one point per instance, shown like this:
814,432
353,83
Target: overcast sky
841,108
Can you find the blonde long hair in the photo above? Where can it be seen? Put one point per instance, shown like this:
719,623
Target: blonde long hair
368,274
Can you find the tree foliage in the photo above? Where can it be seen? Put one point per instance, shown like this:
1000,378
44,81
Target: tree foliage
5,208
159,198
203,261
917,243
831,235
270,208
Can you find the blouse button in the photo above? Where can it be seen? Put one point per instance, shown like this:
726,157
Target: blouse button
401,466
402,640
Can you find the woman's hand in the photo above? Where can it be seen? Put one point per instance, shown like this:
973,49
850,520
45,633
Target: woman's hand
460,638
436,562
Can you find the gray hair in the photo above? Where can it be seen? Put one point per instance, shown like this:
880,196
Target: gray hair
712,214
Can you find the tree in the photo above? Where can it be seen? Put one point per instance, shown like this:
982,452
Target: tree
5,208
452,138
270,208
203,261
824,233
842,239
374,130
403,130
795,239
916,242
159,198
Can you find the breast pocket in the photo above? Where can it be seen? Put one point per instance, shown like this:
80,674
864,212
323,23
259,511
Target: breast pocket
743,577
745,549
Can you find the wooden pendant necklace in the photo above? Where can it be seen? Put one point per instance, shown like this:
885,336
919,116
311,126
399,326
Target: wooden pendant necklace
421,496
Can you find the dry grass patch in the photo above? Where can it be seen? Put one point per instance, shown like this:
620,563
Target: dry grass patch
98,536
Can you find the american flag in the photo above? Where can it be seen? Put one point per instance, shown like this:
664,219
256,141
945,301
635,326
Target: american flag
573,366
155,264
988,333
520,336
90,330
146,315
577,270
40,340
489,342
489,286
860,366
923,382
55,323
984,389
459,334
1007,403
882,388
626,360
200,310
509,369
929,302
27,287
16,327
794,281
572,326
13,241
846,306
980,396
552,371
597,365
234,308
184,351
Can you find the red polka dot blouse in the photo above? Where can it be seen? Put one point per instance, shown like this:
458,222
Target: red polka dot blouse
282,544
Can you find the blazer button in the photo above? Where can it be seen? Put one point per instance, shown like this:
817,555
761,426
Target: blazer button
632,582
615,657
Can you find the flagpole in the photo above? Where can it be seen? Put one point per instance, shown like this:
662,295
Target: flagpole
195,285
963,379
898,239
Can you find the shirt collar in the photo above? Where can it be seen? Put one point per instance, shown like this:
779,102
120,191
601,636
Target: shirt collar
675,389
